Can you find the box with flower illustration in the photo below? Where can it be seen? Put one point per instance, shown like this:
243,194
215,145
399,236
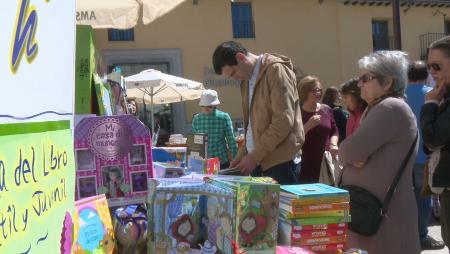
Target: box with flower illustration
113,157
92,227
256,216
189,216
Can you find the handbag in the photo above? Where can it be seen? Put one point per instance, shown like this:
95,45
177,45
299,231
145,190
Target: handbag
329,169
366,210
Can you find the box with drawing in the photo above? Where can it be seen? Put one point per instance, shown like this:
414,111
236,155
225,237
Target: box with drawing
189,216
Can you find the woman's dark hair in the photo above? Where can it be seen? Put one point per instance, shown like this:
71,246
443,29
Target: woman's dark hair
330,96
442,45
417,71
351,88
225,54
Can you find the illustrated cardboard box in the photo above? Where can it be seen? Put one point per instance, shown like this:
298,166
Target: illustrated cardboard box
93,231
256,201
189,216
113,157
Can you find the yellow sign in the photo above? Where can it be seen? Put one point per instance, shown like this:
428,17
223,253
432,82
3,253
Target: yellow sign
36,192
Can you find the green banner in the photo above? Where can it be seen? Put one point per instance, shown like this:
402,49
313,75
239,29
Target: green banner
37,174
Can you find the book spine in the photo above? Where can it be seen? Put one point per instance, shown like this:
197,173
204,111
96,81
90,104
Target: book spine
328,247
309,234
319,240
313,214
295,203
333,226
321,207
321,220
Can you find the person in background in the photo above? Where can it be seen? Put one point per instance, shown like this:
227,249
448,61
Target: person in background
435,126
351,98
218,126
332,98
272,118
415,97
374,153
320,129
132,107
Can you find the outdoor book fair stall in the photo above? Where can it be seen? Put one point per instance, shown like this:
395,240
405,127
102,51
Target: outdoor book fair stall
78,175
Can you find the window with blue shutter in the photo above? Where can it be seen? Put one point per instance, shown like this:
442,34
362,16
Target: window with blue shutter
121,35
380,35
243,26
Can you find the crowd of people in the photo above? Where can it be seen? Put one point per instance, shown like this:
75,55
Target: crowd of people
368,124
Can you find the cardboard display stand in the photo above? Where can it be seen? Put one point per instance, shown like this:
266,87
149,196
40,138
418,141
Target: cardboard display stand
113,157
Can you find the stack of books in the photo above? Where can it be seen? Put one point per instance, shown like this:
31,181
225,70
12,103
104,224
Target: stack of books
314,216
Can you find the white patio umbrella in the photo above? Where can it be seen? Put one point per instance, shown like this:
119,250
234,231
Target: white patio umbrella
154,87
121,14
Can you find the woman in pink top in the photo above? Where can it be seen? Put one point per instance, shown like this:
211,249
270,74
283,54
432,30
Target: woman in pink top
351,97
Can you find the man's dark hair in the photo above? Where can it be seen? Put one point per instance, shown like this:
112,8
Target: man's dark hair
225,54
417,71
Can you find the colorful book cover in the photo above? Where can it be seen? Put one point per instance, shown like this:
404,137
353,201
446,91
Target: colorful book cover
113,156
203,166
256,216
311,190
292,250
189,216
197,145
93,231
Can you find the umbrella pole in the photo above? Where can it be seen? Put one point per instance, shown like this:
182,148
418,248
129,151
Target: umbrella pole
152,113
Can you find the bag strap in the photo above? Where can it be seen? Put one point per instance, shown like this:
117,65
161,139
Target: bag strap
399,174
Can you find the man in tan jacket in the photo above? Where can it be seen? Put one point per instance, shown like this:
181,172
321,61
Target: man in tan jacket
272,118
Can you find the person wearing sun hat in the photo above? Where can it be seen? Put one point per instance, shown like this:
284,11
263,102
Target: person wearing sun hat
218,126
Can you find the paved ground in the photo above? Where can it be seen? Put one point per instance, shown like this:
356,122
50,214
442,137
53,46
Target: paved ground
435,231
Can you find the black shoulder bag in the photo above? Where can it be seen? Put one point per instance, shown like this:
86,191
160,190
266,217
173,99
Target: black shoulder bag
366,210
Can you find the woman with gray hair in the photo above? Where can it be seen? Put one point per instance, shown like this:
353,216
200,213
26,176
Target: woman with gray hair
373,154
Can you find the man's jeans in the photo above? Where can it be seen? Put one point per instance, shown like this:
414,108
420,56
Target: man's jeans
423,203
283,173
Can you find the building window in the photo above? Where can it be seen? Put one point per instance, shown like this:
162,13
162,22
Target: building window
121,35
243,26
380,35
447,27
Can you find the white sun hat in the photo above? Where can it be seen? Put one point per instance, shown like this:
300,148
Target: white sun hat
209,98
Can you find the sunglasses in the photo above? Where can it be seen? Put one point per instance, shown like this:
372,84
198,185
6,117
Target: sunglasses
317,90
434,66
366,78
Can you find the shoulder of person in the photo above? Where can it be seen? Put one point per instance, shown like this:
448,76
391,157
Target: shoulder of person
325,108
394,106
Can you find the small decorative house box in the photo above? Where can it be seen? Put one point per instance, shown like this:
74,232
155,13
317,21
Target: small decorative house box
113,157
189,216
256,202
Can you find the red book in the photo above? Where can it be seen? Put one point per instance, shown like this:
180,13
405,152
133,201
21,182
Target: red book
319,240
308,234
342,226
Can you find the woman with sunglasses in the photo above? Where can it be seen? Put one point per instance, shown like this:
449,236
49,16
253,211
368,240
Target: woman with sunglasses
372,155
435,126
321,132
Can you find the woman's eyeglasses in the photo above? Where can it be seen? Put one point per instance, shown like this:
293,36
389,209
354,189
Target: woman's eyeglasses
317,90
366,78
434,66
